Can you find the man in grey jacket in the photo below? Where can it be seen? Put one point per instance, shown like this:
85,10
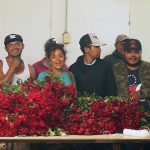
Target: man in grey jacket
117,55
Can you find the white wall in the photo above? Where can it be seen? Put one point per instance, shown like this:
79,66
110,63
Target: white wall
38,20
106,18
140,24
28,18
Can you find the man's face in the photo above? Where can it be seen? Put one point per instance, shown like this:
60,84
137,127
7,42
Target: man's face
120,47
14,48
94,52
132,57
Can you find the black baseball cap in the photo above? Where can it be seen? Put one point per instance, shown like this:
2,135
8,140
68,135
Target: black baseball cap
131,44
12,37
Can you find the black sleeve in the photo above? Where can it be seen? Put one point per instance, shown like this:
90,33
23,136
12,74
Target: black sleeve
111,86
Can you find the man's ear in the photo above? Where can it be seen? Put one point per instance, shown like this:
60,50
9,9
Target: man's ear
86,49
22,45
5,48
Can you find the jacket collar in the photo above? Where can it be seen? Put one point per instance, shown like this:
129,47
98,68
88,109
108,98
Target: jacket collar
116,54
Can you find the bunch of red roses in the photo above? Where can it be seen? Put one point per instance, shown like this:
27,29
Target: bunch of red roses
90,116
33,108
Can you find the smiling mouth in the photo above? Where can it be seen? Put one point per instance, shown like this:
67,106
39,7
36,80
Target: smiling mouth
133,59
58,64
15,50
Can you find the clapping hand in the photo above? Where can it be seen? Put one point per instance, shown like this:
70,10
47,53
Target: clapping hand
16,62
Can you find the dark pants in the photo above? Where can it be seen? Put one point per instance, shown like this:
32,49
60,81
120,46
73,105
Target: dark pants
145,105
71,146
92,146
135,146
44,146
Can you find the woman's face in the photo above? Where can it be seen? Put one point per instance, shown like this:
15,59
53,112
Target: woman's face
57,60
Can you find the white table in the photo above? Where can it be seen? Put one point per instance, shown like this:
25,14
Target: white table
111,138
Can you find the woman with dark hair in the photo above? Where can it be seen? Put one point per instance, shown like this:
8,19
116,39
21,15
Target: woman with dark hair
43,65
57,56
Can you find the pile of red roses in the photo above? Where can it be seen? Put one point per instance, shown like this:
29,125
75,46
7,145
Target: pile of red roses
104,116
33,108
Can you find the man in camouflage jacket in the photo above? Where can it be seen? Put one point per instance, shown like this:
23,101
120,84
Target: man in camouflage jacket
132,76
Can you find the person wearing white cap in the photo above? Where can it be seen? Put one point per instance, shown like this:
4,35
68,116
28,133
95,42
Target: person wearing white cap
92,74
117,55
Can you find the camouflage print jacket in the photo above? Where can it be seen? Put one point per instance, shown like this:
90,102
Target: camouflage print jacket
121,79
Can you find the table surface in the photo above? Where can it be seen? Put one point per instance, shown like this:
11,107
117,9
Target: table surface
110,138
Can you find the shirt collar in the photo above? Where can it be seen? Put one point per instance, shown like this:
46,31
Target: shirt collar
91,63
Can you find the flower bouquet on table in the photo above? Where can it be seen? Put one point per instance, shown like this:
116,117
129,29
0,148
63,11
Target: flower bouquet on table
49,108
92,115
33,108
